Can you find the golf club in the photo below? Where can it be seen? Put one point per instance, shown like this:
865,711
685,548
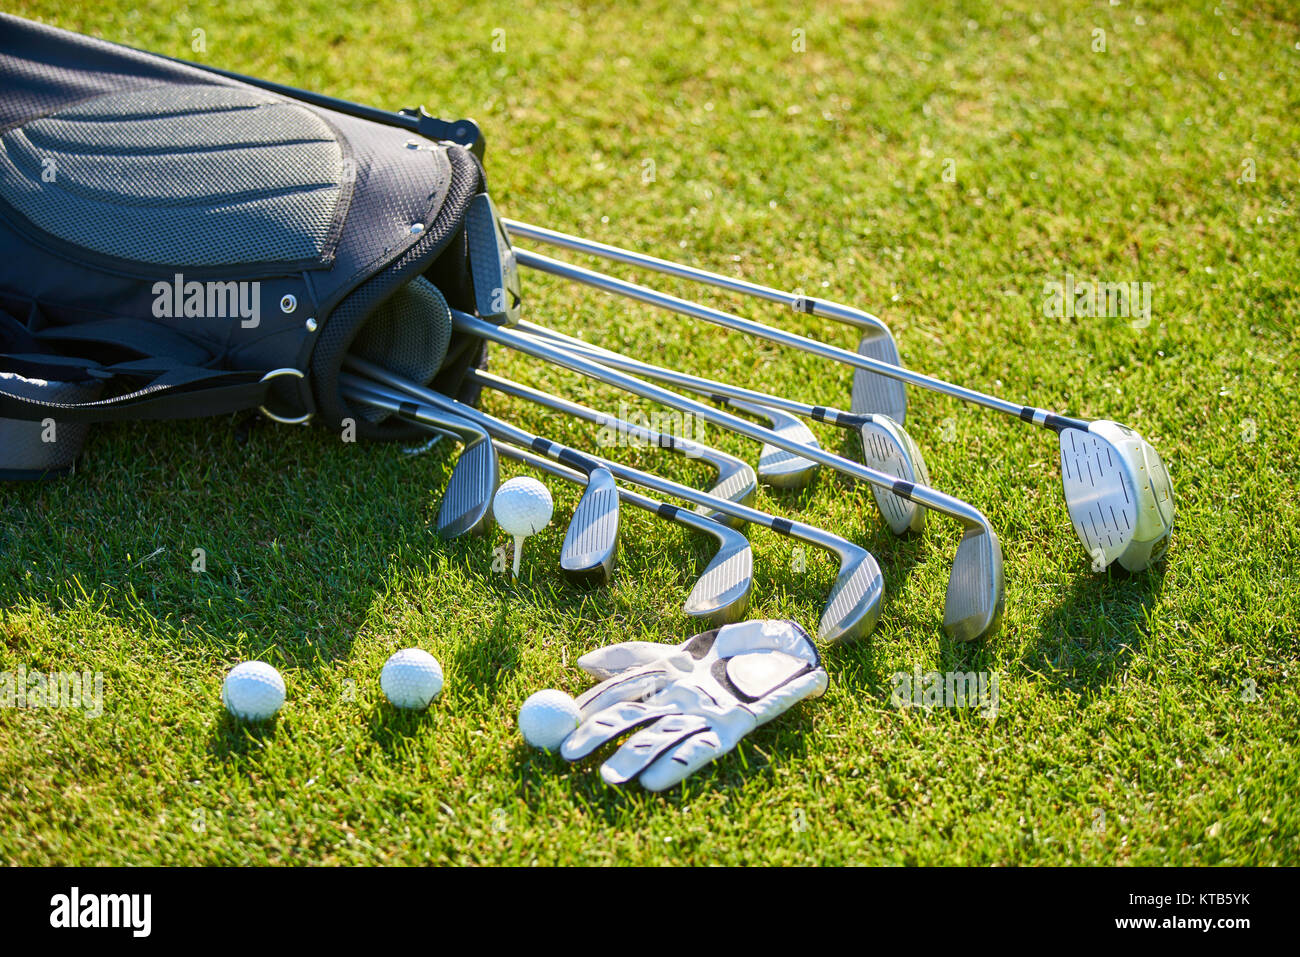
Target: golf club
779,467
973,605
492,266
1117,490
853,605
590,547
871,392
467,501
886,445
736,479
721,594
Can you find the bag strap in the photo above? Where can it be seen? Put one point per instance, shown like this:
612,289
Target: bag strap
179,384
179,392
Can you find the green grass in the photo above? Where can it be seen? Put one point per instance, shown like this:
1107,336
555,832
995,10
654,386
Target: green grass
1127,732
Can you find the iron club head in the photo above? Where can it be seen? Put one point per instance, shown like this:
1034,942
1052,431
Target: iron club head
873,393
590,548
467,501
853,606
1118,493
779,467
737,482
721,594
492,264
973,605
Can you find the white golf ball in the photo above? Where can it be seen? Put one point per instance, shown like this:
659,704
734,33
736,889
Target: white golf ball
253,691
547,718
523,506
411,678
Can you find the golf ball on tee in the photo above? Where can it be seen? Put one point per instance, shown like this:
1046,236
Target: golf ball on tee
523,506
547,718
253,691
411,678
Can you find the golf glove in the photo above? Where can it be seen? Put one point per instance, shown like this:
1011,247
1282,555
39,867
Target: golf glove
689,704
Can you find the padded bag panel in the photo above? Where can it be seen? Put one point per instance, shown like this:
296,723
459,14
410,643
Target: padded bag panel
181,175
44,70
399,202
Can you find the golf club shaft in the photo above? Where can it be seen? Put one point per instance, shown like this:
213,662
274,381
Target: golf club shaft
408,392
357,389
708,387
967,515
788,527
816,307
658,439
437,407
736,480
620,287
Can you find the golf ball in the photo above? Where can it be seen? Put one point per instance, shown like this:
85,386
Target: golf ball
411,678
523,506
547,718
253,691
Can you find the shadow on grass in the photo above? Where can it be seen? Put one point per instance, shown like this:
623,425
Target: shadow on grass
485,660
235,739
392,727
299,535
1088,638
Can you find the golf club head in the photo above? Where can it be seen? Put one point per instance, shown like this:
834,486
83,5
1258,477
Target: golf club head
853,606
973,604
1118,493
492,265
467,501
877,394
737,482
777,467
721,595
887,447
590,548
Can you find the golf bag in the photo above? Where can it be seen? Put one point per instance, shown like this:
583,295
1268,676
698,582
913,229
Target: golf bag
178,242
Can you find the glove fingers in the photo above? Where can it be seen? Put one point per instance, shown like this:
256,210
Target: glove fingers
675,764
605,726
637,686
647,744
615,659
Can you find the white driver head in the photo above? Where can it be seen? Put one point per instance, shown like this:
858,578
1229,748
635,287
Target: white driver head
1118,493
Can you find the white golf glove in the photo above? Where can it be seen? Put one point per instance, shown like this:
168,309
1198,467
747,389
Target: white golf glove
691,702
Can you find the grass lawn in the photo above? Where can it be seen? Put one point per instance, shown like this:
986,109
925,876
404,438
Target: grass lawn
935,164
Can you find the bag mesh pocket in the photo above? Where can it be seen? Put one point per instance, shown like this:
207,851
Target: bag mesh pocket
181,176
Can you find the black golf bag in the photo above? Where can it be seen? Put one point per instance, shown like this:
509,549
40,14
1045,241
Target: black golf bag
179,242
